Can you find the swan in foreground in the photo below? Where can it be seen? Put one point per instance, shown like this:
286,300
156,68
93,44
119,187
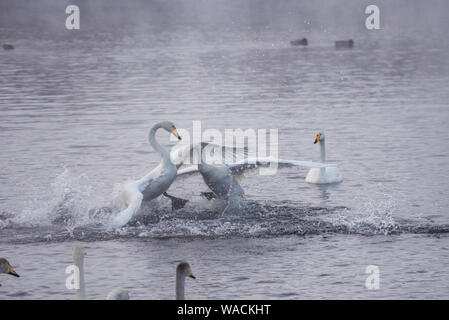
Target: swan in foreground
78,260
152,185
323,175
5,267
118,294
182,272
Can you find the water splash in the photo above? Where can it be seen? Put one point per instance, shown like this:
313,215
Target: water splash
70,199
374,216
76,210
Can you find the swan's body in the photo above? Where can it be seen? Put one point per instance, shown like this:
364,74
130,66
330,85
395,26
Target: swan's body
330,175
182,272
152,185
118,294
78,261
218,178
221,181
327,174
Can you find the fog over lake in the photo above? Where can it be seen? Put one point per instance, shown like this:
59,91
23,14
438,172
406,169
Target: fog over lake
76,107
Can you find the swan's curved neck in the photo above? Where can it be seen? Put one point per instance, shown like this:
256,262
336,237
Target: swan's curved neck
323,151
180,281
204,166
152,137
81,291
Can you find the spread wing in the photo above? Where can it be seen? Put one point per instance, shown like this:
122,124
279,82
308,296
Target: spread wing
254,163
211,153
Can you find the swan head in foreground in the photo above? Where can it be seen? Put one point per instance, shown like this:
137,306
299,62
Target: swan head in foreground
170,127
5,267
323,175
182,272
185,270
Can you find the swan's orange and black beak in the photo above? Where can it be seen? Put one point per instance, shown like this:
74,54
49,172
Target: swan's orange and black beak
12,272
175,132
317,139
191,275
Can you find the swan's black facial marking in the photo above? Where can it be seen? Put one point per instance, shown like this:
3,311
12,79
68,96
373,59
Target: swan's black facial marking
175,132
5,267
12,272
185,269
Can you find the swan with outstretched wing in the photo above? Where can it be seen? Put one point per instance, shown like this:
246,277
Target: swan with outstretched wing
223,181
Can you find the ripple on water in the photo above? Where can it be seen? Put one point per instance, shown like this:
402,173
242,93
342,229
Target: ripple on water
253,220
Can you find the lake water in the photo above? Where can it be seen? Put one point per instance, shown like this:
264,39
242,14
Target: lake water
75,110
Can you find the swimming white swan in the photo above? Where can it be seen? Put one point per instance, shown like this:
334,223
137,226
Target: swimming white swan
118,294
152,185
5,267
329,174
182,272
78,260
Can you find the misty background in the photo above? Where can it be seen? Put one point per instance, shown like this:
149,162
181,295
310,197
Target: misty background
76,107
291,18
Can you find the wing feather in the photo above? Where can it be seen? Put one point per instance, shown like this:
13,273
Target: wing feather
254,163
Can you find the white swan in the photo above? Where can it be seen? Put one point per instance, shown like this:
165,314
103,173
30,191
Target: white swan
152,185
182,272
329,174
78,260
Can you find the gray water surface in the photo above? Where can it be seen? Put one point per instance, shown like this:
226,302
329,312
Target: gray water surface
75,110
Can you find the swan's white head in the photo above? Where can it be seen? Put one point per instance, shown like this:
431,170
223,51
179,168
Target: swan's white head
78,256
5,267
319,137
170,127
118,294
184,270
